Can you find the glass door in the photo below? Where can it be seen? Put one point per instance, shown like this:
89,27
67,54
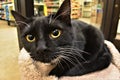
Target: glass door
118,29
91,12
113,34
117,37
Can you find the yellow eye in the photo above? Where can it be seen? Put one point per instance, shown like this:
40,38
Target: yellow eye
55,34
30,38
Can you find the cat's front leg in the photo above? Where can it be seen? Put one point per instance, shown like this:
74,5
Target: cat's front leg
32,70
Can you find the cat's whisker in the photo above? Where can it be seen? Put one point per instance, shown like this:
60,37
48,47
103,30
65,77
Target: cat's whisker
68,59
73,56
66,53
50,20
21,22
65,62
71,51
75,49
79,55
59,63
78,41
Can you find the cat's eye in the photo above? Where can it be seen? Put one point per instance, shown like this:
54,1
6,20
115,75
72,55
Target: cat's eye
30,38
55,34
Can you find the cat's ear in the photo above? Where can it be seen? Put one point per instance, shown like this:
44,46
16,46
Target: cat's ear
64,12
20,20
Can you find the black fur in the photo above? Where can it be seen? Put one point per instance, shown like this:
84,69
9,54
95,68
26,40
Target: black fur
81,45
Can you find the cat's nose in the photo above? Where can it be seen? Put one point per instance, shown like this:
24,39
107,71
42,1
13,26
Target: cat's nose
41,48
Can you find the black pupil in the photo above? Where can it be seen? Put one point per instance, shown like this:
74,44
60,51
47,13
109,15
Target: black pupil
31,37
55,32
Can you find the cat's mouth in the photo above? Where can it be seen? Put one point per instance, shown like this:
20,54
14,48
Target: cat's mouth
48,57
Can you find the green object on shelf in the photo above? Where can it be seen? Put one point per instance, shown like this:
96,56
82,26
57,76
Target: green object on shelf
99,6
38,1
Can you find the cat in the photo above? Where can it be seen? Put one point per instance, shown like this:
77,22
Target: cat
75,47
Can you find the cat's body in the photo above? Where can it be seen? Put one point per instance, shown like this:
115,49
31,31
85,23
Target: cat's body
97,58
75,47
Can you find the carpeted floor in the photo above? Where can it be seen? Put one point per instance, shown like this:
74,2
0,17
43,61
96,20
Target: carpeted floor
8,52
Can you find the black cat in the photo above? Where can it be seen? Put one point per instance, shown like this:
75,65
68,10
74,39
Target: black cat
74,46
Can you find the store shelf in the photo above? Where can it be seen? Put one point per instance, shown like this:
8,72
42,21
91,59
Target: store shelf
87,8
3,3
39,8
55,2
52,6
5,10
75,10
38,4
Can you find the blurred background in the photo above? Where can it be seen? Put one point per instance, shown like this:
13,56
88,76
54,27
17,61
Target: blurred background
103,14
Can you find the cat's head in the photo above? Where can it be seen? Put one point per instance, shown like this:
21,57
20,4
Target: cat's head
45,37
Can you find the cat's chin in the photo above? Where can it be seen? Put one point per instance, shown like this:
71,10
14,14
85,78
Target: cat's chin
45,68
56,61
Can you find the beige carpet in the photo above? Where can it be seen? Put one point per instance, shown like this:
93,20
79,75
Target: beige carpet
8,52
